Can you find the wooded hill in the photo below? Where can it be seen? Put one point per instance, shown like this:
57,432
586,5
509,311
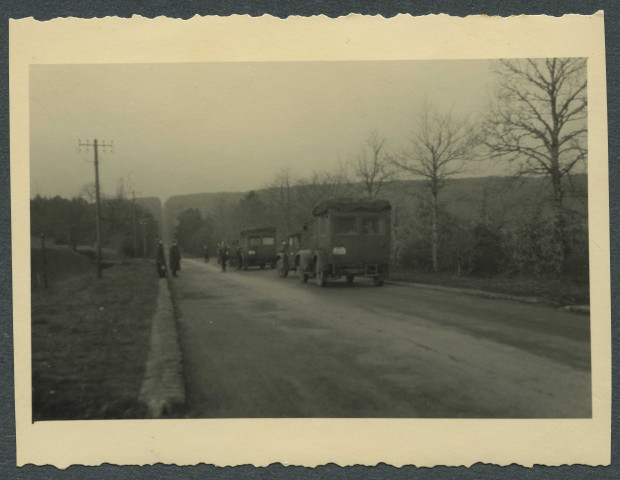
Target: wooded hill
465,197
487,225
213,204
153,206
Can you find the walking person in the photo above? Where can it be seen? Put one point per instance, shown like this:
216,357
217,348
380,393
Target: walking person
175,258
160,259
206,253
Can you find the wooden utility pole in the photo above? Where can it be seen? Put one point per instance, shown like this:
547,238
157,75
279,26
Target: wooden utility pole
95,145
135,236
130,186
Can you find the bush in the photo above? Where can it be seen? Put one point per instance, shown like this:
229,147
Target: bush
415,254
487,253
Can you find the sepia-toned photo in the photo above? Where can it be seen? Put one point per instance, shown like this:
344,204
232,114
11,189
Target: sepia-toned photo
459,187
295,239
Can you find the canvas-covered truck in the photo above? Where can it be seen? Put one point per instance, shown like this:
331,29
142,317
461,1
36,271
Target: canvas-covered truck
348,238
257,247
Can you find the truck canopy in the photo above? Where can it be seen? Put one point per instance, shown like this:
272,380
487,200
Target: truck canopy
351,205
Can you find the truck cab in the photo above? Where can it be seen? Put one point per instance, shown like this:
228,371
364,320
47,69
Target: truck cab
348,237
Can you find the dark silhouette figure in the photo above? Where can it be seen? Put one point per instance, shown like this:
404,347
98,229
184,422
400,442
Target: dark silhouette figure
175,258
160,259
222,254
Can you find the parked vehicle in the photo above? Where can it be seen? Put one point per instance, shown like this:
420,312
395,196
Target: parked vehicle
348,237
288,255
234,258
257,247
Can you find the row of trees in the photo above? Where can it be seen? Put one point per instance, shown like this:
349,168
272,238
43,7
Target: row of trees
536,121
533,223
484,226
126,227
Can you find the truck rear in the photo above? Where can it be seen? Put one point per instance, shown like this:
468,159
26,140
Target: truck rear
349,237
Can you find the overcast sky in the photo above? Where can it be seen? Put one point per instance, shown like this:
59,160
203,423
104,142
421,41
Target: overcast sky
190,128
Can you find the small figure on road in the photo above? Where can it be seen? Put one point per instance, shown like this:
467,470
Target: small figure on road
206,249
235,251
175,258
160,259
222,254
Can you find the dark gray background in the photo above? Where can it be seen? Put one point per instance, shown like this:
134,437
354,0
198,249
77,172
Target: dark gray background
44,10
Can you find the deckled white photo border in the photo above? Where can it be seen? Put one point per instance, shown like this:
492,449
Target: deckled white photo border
311,442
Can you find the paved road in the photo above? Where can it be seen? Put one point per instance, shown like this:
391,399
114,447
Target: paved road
256,345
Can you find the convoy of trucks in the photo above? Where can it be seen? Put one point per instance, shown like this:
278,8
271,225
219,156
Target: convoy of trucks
345,238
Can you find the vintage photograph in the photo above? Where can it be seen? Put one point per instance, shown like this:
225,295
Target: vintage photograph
358,241
329,239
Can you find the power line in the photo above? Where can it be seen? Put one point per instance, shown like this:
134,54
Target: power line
95,146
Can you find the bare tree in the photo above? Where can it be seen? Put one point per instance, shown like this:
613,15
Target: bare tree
372,165
88,192
120,188
539,120
222,214
278,199
440,147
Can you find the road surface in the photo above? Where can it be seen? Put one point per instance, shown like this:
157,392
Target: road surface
255,345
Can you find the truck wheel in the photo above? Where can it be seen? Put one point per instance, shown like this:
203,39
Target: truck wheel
377,281
320,276
302,276
281,268
350,278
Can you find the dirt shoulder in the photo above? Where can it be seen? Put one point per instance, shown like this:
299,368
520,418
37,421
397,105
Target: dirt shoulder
551,291
90,340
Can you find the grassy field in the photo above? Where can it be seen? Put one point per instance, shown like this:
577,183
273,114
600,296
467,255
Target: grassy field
553,291
90,338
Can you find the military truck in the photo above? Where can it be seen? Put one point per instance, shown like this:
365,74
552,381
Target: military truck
348,237
288,255
257,247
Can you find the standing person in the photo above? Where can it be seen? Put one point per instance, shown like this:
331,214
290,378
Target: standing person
160,259
175,258
238,257
206,253
223,255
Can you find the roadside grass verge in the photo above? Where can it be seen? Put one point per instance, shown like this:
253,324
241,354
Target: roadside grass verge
555,291
90,340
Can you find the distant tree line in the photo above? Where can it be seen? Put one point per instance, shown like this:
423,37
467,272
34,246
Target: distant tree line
282,204
533,223
72,222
